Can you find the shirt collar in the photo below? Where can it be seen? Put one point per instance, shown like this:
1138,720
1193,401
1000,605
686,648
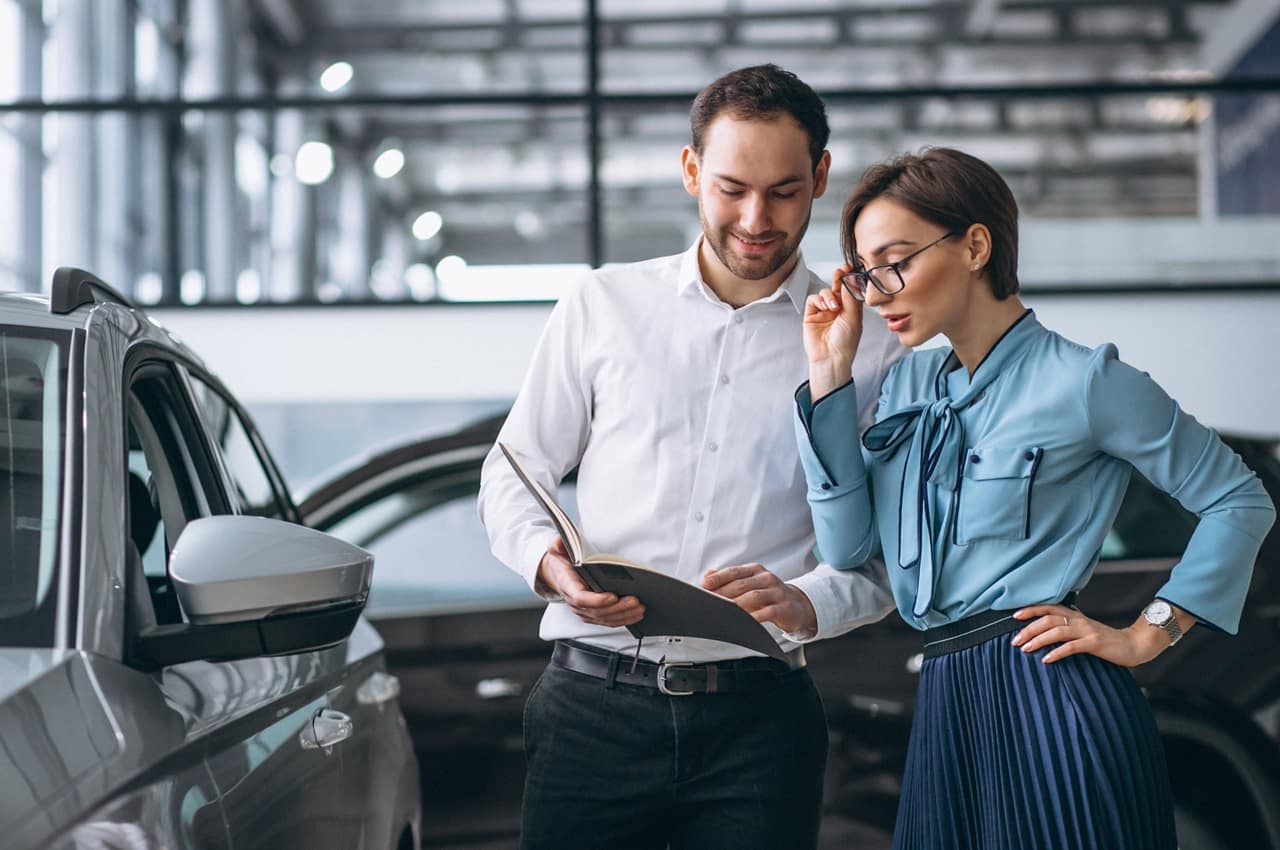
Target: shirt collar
1007,348
795,287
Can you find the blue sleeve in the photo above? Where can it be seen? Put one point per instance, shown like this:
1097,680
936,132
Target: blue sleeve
831,454
1132,418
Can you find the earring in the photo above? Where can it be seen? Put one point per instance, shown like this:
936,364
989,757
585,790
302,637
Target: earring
976,266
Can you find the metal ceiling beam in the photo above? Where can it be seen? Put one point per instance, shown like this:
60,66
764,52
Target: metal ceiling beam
508,33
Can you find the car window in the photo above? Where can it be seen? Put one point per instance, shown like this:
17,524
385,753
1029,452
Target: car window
171,479
33,375
251,488
431,555
1150,524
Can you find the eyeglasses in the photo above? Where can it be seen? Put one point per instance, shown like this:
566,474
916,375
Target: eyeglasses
879,276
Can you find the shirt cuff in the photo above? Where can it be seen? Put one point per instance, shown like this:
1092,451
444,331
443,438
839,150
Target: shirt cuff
830,450
824,607
533,552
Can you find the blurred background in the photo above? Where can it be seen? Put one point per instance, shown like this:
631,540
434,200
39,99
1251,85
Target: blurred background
360,213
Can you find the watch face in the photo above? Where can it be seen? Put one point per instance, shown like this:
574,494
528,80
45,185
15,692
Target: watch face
1158,612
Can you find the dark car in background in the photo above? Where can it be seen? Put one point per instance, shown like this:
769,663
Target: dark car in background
461,635
182,663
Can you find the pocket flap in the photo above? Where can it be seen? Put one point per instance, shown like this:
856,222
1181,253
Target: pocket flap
985,463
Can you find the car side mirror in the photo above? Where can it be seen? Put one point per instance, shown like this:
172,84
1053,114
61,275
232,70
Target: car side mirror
252,586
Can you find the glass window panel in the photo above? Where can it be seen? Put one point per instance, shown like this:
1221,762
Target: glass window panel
10,201
33,368
10,51
252,490
443,48
1111,190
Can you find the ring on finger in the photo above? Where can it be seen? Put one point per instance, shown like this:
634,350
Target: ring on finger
1065,621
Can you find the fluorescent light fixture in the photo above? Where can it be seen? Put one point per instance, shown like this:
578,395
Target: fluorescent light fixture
427,225
508,283
336,76
389,163
313,163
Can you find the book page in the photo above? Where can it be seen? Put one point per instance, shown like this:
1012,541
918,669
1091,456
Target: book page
568,531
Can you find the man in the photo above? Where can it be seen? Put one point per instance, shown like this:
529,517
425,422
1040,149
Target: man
669,384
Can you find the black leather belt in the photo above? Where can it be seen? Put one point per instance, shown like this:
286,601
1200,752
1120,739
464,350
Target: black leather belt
675,678
979,628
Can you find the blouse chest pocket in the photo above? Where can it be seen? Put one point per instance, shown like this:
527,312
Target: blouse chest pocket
995,493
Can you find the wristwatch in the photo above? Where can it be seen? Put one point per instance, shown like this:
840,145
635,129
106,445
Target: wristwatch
1160,613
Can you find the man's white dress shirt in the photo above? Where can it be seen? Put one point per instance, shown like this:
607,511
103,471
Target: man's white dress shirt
676,408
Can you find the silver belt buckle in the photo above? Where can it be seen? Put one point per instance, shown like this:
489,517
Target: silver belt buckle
663,667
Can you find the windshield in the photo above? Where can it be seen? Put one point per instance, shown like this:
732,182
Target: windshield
32,393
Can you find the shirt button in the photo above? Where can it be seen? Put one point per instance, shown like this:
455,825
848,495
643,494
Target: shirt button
713,446
974,459
724,379
698,517
737,320
1030,455
826,485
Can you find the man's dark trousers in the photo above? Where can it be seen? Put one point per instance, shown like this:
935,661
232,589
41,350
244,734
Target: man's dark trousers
630,768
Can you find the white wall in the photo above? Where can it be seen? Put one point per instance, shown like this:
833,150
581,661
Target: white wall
1217,354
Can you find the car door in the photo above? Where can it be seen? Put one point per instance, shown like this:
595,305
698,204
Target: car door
252,720
461,629
375,799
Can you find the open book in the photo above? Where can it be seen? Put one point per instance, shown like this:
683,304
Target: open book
672,607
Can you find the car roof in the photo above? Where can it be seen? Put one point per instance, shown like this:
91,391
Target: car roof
27,309
32,310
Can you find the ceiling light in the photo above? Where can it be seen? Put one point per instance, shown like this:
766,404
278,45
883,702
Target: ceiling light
421,281
314,163
191,286
336,76
450,269
427,225
248,286
389,163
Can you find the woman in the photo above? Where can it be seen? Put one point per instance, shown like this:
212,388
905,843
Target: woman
996,467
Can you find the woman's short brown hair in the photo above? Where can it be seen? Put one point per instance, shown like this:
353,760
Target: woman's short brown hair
951,189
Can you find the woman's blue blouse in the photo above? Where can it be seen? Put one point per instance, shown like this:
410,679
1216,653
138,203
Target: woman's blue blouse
996,491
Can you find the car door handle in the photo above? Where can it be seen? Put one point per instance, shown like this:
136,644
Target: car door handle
378,688
327,727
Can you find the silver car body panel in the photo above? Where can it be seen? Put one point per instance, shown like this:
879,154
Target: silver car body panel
100,612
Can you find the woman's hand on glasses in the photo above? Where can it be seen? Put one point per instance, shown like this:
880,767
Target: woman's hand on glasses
832,329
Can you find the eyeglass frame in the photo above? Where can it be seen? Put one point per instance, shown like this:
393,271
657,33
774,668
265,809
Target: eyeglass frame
866,274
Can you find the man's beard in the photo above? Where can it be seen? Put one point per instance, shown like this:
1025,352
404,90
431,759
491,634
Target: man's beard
722,243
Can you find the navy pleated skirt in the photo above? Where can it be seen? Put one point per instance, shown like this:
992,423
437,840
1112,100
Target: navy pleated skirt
1009,753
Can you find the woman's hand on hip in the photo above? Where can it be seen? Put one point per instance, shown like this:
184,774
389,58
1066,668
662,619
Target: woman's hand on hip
832,330
1075,633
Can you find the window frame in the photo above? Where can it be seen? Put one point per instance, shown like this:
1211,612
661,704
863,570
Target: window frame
190,372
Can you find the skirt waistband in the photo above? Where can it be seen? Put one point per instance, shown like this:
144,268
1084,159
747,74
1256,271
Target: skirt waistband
975,629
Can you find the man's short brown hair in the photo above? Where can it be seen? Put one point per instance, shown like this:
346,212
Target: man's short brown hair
761,92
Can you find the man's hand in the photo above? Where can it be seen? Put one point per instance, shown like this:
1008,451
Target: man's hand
557,575
765,597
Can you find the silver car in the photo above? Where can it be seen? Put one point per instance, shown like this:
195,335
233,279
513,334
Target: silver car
182,664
